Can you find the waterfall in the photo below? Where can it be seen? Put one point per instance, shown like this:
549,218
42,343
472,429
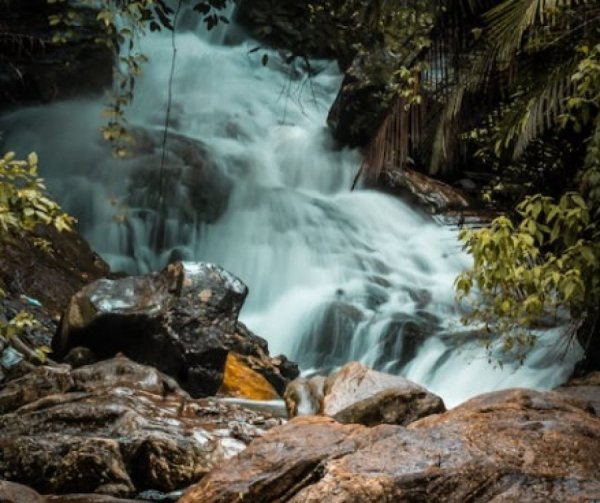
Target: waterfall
254,183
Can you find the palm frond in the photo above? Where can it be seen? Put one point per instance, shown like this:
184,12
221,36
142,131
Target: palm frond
541,112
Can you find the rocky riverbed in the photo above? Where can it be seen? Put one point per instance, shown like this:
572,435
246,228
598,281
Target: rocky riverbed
136,404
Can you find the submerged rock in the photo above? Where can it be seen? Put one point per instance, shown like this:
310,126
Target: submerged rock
357,394
117,428
183,321
513,445
325,344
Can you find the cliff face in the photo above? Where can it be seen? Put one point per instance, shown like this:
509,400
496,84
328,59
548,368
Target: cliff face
33,69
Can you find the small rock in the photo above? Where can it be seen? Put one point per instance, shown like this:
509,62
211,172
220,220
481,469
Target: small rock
357,394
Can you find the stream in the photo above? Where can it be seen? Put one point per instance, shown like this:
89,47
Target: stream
253,182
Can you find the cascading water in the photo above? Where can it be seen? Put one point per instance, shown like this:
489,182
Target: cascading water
253,182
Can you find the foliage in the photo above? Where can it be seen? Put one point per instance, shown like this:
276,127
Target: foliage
542,269
18,326
23,202
548,264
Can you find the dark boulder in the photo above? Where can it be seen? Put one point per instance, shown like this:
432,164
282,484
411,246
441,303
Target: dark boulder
362,101
182,320
116,428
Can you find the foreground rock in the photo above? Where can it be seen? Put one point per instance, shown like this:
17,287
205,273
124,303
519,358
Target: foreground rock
17,493
357,394
115,428
514,445
182,321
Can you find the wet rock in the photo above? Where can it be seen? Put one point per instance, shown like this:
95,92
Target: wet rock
80,356
159,497
88,498
42,282
357,394
17,493
432,195
38,383
183,321
513,445
116,428
586,389
241,381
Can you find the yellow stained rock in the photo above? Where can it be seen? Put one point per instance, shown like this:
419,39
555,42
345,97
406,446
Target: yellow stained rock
242,381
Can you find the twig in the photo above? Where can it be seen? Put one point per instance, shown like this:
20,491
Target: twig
169,103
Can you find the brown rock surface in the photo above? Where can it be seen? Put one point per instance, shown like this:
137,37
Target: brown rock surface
240,380
51,278
513,445
434,195
115,428
17,493
40,283
586,389
357,394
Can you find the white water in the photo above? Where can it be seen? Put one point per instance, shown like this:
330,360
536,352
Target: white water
334,275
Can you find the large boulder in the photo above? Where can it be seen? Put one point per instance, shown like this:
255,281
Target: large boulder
362,101
357,394
182,321
513,445
116,428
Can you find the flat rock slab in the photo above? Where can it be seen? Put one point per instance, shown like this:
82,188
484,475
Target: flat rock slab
513,445
116,428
